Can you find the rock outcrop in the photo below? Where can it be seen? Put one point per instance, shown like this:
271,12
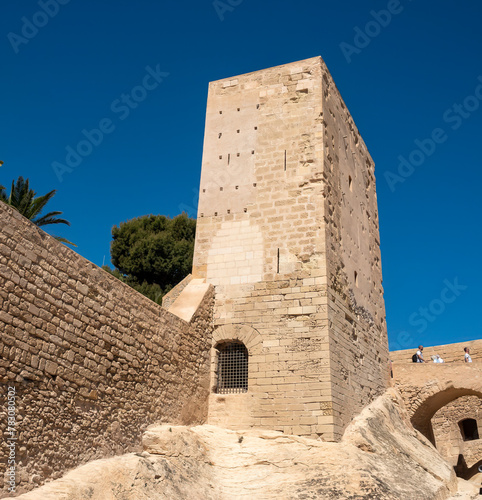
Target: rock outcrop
381,456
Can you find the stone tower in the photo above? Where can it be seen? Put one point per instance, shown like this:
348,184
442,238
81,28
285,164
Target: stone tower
288,234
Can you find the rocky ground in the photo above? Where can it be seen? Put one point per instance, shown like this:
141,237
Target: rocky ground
381,456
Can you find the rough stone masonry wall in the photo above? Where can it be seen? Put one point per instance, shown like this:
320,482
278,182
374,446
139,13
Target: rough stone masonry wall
428,387
261,240
358,332
257,242
92,361
447,433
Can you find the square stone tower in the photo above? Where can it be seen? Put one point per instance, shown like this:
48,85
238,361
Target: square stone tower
287,233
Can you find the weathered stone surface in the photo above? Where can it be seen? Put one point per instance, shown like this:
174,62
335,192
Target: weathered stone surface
130,477
466,491
174,441
287,231
173,294
379,458
427,387
187,302
450,439
438,398
93,361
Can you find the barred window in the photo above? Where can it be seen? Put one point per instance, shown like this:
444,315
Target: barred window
232,368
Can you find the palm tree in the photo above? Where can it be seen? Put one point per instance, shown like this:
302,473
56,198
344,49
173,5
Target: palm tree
24,200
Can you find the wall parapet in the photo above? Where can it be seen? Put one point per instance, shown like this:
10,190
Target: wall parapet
450,353
93,362
174,293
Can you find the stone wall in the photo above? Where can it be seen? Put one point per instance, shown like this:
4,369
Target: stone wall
380,458
92,361
449,438
356,308
174,293
437,398
428,387
287,215
450,353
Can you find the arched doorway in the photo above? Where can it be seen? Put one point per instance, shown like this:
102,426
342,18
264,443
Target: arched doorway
455,428
422,416
235,357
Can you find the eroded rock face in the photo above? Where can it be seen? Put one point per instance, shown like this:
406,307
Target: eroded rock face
380,457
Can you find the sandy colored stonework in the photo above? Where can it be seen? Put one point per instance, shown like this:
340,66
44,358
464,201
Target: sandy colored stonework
380,457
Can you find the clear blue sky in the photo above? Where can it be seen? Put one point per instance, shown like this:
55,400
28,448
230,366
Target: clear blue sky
412,75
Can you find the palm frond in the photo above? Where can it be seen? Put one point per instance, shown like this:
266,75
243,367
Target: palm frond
38,204
24,200
21,196
12,194
63,240
50,218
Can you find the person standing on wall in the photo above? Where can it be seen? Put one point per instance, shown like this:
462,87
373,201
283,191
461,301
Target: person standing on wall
467,357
